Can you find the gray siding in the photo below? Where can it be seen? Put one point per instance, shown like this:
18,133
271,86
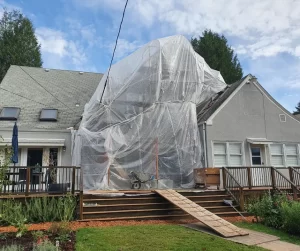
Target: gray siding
251,114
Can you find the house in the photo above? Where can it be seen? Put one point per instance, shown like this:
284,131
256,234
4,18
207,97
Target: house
44,103
244,126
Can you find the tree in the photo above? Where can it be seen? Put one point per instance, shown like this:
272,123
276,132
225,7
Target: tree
297,109
218,55
18,43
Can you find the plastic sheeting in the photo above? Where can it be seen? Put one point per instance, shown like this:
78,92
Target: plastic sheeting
146,121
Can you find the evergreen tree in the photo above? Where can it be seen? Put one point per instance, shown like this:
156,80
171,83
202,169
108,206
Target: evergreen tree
18,43
218,55
297,109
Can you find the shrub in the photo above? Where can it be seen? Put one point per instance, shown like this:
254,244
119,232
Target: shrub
12,214
267,210
67,208
12,248
291,217
61,230
45,246
41,209
38,210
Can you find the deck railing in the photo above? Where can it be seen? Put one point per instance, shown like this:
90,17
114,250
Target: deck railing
41,179
266,176
295,175
233,187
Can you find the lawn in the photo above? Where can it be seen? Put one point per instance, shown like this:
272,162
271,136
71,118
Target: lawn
153,237
261,228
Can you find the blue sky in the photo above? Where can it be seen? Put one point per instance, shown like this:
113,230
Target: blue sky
80,34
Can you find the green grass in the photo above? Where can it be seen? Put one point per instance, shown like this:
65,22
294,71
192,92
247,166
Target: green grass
262,228
153,237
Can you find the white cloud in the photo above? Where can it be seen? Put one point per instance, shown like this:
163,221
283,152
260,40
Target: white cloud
52,41
124,48
55,43
267,27
7,6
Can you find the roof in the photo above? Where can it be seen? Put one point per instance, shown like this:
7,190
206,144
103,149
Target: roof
207,108
297,116
33,89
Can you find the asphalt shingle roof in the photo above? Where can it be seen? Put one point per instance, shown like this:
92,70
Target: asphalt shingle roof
32,89
207,108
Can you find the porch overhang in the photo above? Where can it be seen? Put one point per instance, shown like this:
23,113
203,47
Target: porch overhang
258,141
34,142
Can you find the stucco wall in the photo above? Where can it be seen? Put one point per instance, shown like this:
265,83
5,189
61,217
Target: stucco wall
251,114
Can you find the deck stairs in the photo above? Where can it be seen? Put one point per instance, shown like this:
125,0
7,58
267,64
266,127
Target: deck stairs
151,206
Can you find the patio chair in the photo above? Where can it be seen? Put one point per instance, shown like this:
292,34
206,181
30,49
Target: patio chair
21,182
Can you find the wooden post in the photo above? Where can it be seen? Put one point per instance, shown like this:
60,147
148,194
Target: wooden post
73,179
156,153
27,181
224,177
291,174
81,205
249,173
295,195
273,178
294,189
242,199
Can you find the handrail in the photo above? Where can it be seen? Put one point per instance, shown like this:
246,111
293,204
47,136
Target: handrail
292,184
294,170
224,168
286,179
41,179
233,187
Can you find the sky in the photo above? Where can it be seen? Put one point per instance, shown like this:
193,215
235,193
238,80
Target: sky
80,34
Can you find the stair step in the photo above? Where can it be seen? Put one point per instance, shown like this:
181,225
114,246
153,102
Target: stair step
131,211
147,217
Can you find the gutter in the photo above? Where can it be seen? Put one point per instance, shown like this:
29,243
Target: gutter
205,143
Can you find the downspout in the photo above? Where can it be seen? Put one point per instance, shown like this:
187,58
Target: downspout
204,143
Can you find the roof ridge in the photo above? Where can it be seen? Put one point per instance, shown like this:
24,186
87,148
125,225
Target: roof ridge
44,68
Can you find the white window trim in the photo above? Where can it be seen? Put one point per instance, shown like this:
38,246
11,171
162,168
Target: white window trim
227,154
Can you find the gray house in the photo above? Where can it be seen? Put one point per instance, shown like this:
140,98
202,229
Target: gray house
44,103
244,126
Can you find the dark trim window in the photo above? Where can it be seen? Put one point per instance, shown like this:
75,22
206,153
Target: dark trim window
48,115
256,155
10,113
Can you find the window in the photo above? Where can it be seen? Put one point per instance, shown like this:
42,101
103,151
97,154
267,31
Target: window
9,113
256,156
291,155
227,154
277,157
220,154
48,115
285,155
235,154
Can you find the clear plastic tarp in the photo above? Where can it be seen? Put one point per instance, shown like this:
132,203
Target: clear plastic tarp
144,133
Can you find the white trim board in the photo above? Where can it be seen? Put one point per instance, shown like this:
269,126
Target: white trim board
35,142
261,89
